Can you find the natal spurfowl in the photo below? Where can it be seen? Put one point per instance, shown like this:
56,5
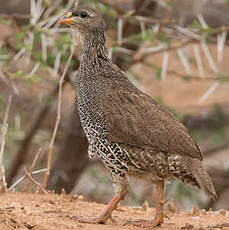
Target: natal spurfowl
129,131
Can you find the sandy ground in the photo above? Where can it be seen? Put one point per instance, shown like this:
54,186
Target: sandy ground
47,212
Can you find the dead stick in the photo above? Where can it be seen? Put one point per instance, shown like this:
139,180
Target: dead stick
3,185
23,177
188,77
51,144
114,6
23,151
32,167
21,16
7,112
4,131
35,182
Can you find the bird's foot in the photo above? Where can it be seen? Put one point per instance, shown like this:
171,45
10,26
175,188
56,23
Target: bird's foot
147,223
106,214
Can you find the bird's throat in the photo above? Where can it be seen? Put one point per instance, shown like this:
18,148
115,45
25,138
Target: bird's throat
93,50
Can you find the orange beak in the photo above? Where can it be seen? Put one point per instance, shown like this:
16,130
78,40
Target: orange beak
67,19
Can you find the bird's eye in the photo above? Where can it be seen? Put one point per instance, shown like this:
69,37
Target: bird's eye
83,15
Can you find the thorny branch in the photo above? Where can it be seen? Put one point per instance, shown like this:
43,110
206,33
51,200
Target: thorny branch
51,144
32,167
4,129
189,77
21,16
34,181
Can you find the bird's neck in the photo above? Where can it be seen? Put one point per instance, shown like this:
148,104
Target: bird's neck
94,49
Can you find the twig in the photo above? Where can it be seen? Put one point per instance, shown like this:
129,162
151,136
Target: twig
164,65
51,144
198,60
35,182
202,21
220,225
209,56
3,184
3,141
32,167
140,56
7,112
21,16
114,6
10,81
3,134
209,92
23,177
221,39
120,28
57,64
189,77
23,151
44,46
153,21
184,61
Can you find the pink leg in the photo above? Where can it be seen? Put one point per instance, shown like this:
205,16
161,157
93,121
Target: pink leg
106,214
159,216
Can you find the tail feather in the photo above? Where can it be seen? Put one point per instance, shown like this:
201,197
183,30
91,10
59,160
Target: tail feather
203,179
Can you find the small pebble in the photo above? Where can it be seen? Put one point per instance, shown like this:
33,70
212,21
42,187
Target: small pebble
145,205
51,202
80,197
187,227
222,212
202,211
195,211
171,207
195,217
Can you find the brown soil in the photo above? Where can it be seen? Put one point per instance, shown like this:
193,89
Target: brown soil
47,212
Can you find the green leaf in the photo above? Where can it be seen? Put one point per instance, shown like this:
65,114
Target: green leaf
6,21
18,74
186,78
32,78
20,36
158,72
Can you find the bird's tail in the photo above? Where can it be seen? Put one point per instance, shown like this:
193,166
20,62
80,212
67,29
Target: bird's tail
203,179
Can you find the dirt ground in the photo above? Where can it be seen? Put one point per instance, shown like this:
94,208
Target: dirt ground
47,212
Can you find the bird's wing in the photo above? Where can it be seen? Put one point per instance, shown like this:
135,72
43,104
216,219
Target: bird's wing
136,119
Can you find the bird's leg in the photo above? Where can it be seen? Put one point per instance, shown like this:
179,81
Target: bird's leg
106,214
159,216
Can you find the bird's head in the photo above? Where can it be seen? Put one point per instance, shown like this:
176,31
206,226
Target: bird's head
86,21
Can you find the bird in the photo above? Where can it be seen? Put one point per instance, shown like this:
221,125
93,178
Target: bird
133,134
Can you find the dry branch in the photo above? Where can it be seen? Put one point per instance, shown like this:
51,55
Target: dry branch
189,77
35,182
32,167
20,16
3,140
23,177
51,144
113,5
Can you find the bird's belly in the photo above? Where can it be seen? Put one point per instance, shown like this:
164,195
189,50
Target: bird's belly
156,166
147,161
